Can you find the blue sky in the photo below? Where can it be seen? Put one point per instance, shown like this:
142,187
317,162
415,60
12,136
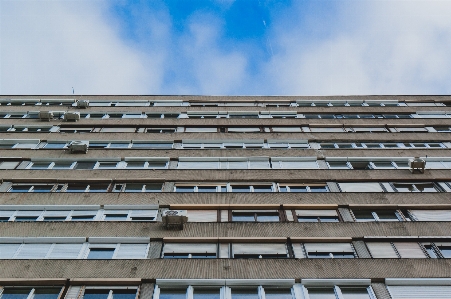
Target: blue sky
225,47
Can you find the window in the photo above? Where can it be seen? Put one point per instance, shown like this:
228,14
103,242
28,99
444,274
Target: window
417,187
294,163
376,215
323,250
225,289
418,288
8,165
100,253
316,215
255,216
302,188
27,292
396,250
202,215
151,145
430,215
189,250
256,250
339,292
360,187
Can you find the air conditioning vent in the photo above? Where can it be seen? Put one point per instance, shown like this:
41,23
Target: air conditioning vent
79,147
417,164
72,116
174,219
83,104
45,115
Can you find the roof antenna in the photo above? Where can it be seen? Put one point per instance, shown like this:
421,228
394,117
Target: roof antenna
73,90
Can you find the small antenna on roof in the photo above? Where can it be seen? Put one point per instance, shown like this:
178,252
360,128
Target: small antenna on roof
73,90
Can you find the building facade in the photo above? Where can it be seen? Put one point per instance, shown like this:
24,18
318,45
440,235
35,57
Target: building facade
341,197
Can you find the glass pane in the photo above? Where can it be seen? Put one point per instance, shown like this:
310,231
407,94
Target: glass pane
85,165
328,219
46,293
363,215
152,188
278,293
343,255
172,294
402,164
319,255
321,293
98,144
263,188
387,215
435,145
135,164
98,187
206,294
206,189
16,293
20,188
344,145
72,187
244,294
373,145
82,218
267,217
426,187
354,293
107,165
134,188
40,165
404,187
96,294
298,189
185,189
152,145
157,164
100,253
55,145
116,217
390,145
430,250
318,189
308,219
62,165
338,165
54,219
119,145
327,145
25,218
124,294
385,165
42,188
446,251
243,216
238,188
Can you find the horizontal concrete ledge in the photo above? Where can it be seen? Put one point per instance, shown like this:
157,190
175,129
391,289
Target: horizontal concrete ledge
222,268
224,230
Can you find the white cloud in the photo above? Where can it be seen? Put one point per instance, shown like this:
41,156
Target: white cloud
206,68
49,46
378,47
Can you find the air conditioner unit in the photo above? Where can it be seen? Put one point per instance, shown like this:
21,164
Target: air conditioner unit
79,147
417,164
83,104
174,218
72,116
46,115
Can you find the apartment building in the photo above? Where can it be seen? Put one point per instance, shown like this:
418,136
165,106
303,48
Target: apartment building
168,197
